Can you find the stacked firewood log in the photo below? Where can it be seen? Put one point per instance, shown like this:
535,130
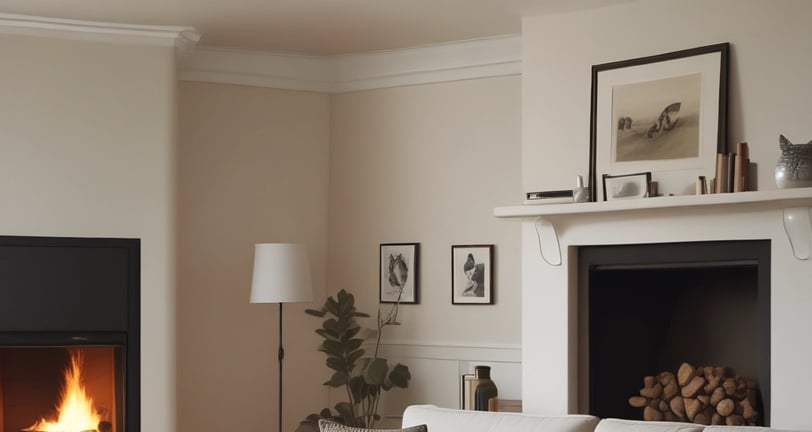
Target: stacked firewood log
704,395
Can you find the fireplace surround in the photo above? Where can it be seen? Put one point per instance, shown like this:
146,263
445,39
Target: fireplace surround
550,315
647,308
69,295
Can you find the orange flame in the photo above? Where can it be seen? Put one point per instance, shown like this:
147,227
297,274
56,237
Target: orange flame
75,412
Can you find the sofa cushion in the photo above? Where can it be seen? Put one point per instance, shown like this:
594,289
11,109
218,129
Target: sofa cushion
617,425
452,420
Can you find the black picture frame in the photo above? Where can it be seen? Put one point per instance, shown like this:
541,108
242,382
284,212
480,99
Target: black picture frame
693,73
399,273
472,269
626,186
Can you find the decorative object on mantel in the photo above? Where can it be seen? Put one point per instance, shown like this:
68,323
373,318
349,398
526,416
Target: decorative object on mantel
626,186
664,113
733,170
794,168
581,192
704,395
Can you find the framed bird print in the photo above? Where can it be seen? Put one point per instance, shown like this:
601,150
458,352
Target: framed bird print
399,272
472,274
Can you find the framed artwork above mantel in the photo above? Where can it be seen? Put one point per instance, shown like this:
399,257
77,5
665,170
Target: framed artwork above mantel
665,113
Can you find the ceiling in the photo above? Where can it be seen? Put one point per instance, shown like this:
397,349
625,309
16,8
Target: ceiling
317,27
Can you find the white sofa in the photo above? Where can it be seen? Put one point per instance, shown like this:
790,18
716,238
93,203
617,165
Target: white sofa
452,420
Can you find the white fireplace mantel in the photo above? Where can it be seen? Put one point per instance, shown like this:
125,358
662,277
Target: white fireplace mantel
796,204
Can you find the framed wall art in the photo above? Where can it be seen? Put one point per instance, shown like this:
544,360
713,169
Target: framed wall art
626,186
666,114
472,274
399,272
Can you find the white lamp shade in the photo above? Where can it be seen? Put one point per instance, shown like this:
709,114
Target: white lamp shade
281,274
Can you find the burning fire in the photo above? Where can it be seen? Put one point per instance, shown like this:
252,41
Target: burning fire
75,411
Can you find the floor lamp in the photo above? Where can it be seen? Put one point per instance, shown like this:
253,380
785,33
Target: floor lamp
281,275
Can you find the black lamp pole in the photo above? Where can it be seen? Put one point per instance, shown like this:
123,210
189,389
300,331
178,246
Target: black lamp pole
281,356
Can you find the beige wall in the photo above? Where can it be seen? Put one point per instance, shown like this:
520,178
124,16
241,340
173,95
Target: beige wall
769,80
253,167
87,139
428,164
423,163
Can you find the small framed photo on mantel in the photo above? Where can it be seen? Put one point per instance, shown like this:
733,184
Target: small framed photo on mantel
399,272
472,274
626,186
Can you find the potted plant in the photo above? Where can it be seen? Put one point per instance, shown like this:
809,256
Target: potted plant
364,378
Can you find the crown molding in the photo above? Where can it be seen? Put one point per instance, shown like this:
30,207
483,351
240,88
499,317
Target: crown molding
182,38
477,58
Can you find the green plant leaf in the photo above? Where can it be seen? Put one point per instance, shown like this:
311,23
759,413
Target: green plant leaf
400,376
354,356
358,387
332,347
337,380
331,325
318,313
375,373
336,363
346,304
332,306
349,333
327,334
360,314
353,344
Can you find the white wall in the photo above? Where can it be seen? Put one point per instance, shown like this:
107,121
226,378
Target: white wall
769,95
427,164
769,91
87,138
253,167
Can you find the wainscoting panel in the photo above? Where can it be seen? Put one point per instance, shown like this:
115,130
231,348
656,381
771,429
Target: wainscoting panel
436,372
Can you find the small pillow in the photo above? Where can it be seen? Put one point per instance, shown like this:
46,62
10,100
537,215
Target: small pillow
331,426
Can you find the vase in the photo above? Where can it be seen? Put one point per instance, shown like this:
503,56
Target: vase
486,388
794,167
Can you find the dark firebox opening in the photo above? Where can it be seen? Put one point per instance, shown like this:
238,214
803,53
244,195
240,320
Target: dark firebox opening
645,309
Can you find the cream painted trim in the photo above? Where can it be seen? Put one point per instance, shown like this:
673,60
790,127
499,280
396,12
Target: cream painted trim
478,58
491,353
258,69
183,38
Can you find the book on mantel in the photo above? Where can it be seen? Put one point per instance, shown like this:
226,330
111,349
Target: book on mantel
549,197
